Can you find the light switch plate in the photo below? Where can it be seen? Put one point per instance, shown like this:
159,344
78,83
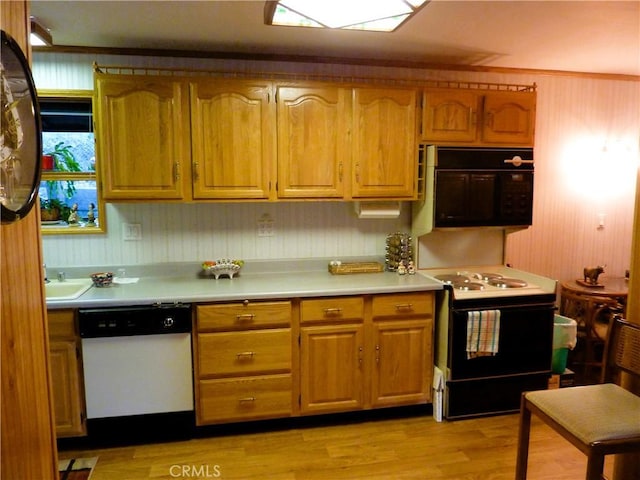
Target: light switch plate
265,226
131,232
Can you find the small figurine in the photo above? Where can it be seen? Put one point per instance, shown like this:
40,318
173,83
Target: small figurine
401,268
74,218
411,269
91,216
591,274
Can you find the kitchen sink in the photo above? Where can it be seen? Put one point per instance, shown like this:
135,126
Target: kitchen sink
67,290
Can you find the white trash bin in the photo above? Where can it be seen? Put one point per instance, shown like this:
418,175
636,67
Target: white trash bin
565,332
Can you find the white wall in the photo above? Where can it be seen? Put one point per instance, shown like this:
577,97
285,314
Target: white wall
587,138
196,232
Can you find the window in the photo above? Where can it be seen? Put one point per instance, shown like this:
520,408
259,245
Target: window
69,198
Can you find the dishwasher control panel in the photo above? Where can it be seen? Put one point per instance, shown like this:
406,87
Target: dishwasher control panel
136,320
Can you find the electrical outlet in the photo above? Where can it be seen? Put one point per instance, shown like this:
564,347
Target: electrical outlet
265,226
131,232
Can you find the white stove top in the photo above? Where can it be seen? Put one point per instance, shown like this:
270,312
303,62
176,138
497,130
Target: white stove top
478,279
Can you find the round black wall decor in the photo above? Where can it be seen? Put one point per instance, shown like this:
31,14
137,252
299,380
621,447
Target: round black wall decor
20,133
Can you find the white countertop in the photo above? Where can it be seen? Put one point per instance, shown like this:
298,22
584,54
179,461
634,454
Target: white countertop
185,285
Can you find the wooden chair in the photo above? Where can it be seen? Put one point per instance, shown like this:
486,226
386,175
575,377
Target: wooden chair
592,313
600,419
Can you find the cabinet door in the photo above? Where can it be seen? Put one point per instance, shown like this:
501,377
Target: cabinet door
509,118
233,130
384,147
402,362
143,137
313,141
331,368
450,116
67,389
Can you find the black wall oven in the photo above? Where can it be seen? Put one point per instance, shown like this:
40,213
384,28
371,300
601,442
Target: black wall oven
474,187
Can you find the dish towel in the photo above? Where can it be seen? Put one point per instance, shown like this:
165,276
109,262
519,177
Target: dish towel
483,333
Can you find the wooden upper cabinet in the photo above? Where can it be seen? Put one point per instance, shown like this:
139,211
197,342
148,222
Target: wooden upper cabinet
477,117
450,115
384,159
143,137
232,133
313,141
509,118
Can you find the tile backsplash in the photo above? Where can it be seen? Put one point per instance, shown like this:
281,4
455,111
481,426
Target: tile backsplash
195,232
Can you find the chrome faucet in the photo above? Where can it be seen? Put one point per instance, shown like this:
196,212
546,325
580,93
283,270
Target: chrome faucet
62,276
44,269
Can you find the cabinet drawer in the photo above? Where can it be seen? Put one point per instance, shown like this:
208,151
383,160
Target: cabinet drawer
61,324
402,305
331,309
243,353
246,315
222,400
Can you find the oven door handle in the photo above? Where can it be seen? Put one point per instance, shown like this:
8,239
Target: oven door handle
517,160
508,308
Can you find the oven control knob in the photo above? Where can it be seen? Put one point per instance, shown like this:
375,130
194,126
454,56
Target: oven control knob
168,322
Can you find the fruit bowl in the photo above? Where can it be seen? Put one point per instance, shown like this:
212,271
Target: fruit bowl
223,266
102,279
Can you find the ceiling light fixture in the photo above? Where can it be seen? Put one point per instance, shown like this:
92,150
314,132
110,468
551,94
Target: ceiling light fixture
371,15
40,36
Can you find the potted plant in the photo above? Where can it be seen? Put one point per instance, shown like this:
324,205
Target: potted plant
53,208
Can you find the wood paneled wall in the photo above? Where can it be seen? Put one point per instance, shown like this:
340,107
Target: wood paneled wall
28,448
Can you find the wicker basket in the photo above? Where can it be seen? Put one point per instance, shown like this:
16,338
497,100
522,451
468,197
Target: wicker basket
356,267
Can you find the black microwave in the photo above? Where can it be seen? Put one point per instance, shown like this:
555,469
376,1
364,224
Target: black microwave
474,187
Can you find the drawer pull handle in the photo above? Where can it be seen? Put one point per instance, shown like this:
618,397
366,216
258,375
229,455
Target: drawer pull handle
332,311
247,400
245,355
245,317
404,306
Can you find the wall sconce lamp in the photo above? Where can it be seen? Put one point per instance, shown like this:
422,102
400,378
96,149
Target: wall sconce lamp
40,36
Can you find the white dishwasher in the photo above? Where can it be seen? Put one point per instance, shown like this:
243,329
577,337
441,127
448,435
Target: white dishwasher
137,360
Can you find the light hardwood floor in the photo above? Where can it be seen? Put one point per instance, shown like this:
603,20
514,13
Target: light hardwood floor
403,448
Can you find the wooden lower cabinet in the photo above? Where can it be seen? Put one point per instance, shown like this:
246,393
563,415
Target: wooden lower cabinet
331,365
66,374
402,328
243,361
402,367
259,360
351,359
244,398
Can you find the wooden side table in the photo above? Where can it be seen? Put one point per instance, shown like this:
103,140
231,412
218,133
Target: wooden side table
592,308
